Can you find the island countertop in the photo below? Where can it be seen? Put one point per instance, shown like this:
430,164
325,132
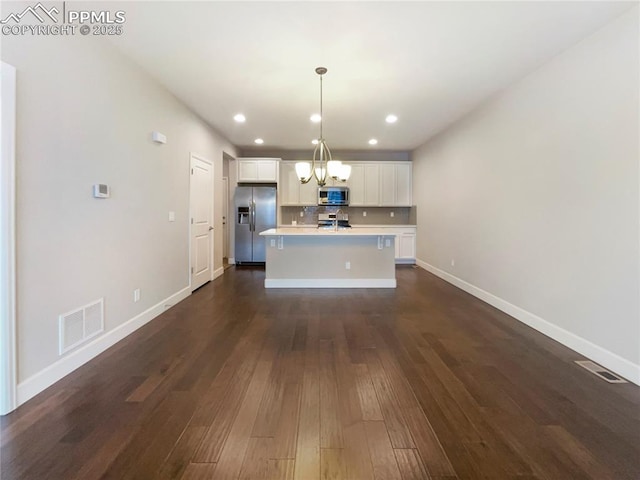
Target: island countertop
329,232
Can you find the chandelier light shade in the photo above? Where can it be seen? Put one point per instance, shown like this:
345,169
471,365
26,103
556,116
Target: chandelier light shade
345,173
334,168
322,165
303,171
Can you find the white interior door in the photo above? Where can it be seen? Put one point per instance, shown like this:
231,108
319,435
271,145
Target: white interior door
201,221
225,216
8,373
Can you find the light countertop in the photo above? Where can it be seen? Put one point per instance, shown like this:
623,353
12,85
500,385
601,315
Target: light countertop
302,225
319,232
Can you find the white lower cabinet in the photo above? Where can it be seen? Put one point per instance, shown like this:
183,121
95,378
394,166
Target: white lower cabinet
406,247
405,242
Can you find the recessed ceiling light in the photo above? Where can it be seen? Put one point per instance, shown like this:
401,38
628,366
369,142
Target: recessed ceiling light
315,118
314,141
373,141
259,141
391,118
240,118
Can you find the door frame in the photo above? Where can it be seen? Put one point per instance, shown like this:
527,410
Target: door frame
225,211
195,156
8,324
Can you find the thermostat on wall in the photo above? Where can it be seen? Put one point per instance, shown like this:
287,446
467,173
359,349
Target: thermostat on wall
100,190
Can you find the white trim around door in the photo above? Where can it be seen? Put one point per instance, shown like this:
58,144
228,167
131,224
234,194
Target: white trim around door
8,361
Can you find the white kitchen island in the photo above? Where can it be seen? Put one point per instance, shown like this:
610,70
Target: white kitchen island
324,258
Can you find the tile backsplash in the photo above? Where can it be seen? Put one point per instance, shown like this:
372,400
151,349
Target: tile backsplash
374,215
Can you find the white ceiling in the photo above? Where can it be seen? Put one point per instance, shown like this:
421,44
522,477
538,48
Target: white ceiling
427,62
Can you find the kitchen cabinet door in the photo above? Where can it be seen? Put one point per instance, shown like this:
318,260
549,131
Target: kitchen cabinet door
403,184
308,192
395,184
247,171
356,186
289,186
388,185
291,191
268,171
406,247
371,184
260,170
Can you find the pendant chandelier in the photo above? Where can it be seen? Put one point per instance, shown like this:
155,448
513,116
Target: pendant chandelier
322,165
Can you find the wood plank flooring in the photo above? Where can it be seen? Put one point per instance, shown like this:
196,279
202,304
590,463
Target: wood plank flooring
239,382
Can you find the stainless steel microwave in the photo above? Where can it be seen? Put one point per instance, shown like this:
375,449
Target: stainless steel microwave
328,196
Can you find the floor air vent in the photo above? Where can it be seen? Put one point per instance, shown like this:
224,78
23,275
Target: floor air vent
602,372
80,325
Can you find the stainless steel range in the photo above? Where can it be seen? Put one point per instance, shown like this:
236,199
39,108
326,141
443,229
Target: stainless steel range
329,220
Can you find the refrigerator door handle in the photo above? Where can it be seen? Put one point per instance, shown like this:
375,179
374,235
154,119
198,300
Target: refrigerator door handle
252,214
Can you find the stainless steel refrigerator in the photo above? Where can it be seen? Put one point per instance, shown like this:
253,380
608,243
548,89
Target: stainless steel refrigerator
255,211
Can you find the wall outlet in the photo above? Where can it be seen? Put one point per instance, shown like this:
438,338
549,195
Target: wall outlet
136,295
364,214
347,265
387,242
392,214
453,262
301,213
273,242
172,216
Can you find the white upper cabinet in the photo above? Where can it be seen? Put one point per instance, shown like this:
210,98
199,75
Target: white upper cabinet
291,191
380,184
308,192
356,185
404,180
388,184
363,184
288,188
371,184
258,170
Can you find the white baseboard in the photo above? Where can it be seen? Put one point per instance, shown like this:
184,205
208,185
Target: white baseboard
217,272
604,357
331,283
47,377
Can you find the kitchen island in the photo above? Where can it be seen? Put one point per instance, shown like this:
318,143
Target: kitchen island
324,258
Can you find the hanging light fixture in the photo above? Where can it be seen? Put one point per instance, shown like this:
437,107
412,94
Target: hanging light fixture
322,165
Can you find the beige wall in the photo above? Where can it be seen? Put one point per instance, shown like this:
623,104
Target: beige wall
85,115
535,197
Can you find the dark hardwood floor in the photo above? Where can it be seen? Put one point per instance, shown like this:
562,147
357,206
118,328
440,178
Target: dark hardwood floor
239,382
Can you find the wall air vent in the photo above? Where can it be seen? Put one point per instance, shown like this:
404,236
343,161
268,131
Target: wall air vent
79,325
602,372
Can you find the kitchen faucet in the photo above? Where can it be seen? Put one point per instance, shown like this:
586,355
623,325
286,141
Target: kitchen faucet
335,225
